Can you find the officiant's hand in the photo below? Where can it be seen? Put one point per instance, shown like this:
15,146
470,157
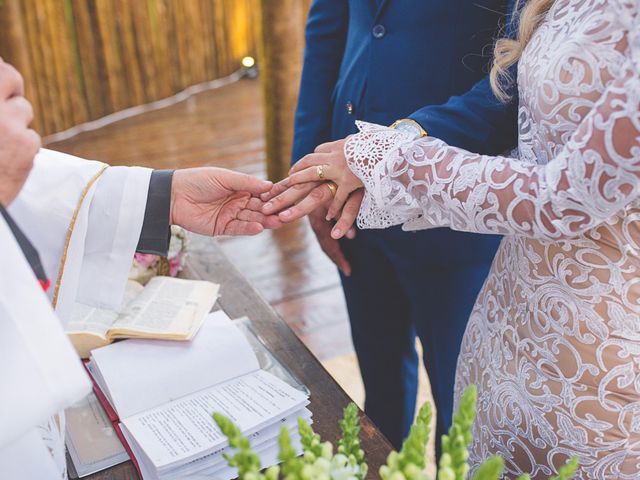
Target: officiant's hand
18,143
215,201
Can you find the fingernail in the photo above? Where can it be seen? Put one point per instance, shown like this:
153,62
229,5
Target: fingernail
328,218
336,233
286,213
268,206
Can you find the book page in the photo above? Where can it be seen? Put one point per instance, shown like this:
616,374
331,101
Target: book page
170,306
138,374
267,451
96,321
215,460
183,430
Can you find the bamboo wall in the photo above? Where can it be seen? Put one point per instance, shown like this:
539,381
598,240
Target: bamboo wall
83,59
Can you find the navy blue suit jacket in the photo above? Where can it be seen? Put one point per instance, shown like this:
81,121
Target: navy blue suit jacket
382,60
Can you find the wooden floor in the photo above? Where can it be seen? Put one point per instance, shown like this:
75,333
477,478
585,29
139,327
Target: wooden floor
224,128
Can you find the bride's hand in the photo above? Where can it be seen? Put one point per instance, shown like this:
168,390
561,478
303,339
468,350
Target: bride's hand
327,163
313,197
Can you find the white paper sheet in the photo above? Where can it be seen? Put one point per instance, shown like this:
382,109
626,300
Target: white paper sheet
139,375
267,451
259,439
184,429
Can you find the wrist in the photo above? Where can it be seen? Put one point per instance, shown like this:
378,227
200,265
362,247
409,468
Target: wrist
410,127
175,181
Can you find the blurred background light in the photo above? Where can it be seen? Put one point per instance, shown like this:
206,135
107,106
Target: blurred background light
248,62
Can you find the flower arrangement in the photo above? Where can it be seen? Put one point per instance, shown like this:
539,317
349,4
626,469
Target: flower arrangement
319,462
146,266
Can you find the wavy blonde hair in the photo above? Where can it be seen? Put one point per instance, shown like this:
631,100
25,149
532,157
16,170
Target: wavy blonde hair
507,51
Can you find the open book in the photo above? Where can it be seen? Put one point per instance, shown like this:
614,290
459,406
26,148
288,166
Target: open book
161,395
167,308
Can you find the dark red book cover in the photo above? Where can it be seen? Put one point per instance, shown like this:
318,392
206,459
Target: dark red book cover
113,417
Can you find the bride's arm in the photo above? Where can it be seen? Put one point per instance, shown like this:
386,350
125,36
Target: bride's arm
595,175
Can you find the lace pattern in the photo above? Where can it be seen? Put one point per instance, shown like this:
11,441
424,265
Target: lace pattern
366,152
553,342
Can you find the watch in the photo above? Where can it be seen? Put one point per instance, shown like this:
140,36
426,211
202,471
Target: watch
411,127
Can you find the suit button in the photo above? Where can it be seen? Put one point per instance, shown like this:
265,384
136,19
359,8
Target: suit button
379,31
349,107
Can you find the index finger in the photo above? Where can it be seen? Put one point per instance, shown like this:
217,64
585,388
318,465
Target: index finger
241,182
11,83
276,190
310,160
316,198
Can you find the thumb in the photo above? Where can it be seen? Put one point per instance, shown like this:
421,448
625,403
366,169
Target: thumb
241,182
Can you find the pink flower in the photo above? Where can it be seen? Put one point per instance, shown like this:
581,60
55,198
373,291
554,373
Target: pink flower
145,260
175,264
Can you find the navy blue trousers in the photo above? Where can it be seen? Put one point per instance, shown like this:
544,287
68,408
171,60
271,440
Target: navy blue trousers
405,284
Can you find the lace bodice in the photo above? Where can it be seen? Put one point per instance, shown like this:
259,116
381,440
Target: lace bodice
554,340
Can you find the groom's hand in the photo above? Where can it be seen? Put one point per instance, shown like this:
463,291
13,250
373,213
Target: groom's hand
330,246
215,201
312,199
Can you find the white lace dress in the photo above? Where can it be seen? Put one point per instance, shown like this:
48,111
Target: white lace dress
553,342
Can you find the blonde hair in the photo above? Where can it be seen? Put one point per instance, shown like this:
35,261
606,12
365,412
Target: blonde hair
507,51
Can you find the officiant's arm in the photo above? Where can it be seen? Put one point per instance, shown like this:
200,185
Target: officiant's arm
208,200
156,226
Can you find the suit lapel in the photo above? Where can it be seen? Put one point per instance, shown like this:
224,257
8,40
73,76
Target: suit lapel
382,4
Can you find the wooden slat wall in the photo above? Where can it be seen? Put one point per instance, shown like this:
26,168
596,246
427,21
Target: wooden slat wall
83,59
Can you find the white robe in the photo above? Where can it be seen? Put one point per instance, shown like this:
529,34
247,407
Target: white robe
85,219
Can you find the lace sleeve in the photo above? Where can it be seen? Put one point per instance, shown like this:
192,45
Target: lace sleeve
430,184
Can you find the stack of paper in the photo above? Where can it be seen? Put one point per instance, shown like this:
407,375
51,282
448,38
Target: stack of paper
160,395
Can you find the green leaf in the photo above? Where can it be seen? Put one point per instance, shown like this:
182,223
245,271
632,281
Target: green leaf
291,465
410,462
453,461
310,441
568,470
349,443
245,460
491,469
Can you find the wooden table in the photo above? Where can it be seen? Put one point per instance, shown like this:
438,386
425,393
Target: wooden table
239,298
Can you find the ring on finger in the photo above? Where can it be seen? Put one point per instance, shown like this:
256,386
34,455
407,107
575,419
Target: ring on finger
332,188
320,172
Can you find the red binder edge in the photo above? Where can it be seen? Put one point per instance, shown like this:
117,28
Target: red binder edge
113,417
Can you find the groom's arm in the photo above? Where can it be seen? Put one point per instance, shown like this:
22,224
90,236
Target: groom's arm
476,120
325,36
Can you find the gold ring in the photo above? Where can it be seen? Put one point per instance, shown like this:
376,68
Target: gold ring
332,188
320,172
